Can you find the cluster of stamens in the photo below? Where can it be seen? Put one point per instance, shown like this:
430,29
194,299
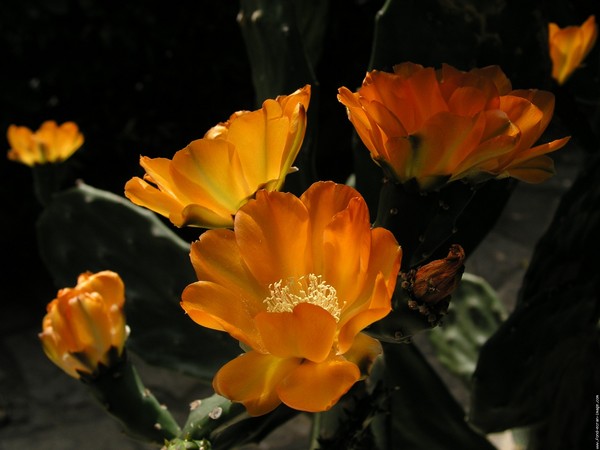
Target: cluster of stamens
311,288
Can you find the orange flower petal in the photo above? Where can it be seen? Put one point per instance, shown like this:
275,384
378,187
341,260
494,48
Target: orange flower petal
260,139
252,379
23,147
495,74
88,323
444,142
272,233
316,387
544,101
533,160
323,201
217,307
386,256
306,333
400,153
143,194
535,170
483,163
406,69
194,214
59,141
466,101
406,101
426,97
361,316
290,104
380,116
539,150
202,172
363,352
106,283
526,116
346,249
368,133
216,257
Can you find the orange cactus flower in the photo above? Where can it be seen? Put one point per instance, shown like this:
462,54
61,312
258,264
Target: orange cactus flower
295,281
49,144
85,325
440,126
569,46
210,179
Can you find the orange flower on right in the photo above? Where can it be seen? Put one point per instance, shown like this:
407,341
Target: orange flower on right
569,46
438,126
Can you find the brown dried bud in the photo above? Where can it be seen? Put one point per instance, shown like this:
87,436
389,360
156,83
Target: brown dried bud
439,279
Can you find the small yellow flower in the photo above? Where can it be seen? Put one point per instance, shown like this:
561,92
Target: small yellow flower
436,127
85,325
210,179
295,282
51,143
569,46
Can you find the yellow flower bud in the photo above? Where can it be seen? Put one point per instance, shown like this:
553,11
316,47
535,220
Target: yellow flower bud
85,325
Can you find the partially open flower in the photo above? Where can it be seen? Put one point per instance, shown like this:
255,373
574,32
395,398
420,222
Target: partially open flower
569,46
434,127
209,180
51,143
85,326
295,282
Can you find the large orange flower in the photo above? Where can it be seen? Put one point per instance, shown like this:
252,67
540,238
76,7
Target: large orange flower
295,282
569,46
50,143
85,325
210,179
440,126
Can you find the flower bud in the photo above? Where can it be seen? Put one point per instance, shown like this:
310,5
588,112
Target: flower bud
439,279
84,327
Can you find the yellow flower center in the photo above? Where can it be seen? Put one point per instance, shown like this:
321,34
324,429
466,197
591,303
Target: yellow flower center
306,289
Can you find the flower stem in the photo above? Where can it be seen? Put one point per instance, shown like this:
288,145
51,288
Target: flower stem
315,431
121,391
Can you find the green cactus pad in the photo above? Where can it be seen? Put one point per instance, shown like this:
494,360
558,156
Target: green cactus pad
87,229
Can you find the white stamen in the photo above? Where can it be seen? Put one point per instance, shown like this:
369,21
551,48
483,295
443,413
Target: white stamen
306,289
